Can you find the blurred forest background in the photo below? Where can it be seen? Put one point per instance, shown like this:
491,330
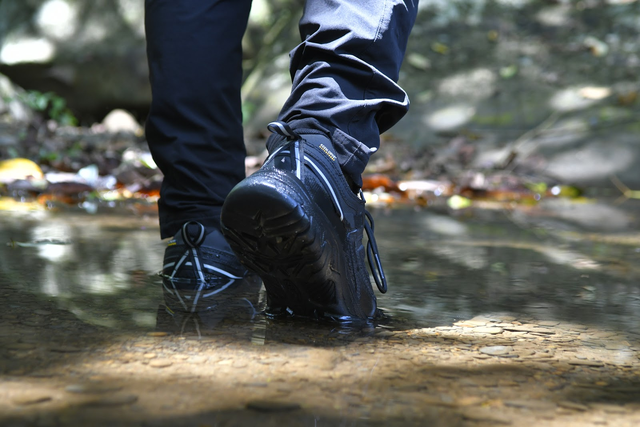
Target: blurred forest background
511,99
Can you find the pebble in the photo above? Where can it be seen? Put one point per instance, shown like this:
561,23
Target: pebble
160,363
157,334
496,350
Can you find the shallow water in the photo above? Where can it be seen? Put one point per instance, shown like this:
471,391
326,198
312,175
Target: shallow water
84,328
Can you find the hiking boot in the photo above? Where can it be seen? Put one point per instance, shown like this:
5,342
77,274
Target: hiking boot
298,224
198,269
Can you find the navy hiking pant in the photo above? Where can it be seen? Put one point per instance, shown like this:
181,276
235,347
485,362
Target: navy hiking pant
344,84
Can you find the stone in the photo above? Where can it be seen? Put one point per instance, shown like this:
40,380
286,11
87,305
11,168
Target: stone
121,121
496,350
160,363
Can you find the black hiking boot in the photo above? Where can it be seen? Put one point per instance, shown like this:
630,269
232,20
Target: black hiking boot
199,269
297,223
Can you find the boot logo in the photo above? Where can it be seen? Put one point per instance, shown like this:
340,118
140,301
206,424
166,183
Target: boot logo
326,151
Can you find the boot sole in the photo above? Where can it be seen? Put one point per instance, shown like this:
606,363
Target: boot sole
279,234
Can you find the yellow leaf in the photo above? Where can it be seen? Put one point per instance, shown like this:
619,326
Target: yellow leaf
13,169
8,204
458,202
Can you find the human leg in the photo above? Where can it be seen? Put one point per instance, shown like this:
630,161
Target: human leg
297,222
194,131
345,74
194,128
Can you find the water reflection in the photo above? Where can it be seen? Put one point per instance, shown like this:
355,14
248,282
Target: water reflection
84,309
451,268
441,267
186,313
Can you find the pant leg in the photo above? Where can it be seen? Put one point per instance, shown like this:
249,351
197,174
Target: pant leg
345,74
194,128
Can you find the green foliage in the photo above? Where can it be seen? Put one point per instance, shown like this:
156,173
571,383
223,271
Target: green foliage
52,105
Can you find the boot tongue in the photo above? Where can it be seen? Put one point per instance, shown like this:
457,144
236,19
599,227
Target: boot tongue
275,141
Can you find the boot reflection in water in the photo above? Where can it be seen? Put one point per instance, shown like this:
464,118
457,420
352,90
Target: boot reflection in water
237,301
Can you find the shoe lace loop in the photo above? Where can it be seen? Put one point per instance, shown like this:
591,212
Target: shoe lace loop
373,256
193,234
297,152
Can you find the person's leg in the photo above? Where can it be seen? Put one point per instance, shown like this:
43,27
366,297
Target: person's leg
345,74
298,222
194,128
194,131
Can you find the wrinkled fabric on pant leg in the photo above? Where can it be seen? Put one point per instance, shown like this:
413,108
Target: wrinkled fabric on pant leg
344,84
194,128
345,74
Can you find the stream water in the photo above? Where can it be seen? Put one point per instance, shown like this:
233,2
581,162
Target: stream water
83,308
